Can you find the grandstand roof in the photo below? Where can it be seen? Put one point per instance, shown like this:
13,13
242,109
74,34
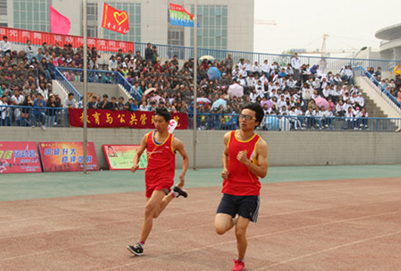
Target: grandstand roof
389,33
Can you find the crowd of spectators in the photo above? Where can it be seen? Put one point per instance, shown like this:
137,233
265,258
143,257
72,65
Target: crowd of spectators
393,85
292,89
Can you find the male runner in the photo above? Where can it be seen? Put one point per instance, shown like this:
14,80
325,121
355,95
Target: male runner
244,160
159,175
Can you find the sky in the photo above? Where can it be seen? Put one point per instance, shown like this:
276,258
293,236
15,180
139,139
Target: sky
301,24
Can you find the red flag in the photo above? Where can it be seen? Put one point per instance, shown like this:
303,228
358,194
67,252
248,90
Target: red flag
115,20
59,24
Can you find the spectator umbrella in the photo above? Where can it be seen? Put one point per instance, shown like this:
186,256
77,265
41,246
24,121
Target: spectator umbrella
322,102
213,73
235,90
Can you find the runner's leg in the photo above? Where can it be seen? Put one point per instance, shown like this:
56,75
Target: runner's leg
240,233
152,205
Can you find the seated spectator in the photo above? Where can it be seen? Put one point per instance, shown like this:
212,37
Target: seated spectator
29,51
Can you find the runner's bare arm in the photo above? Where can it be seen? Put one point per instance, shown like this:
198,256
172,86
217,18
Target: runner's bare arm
224,173
261,168
179,146
137,156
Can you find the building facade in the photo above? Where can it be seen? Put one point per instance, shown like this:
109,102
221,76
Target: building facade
224,24
390,46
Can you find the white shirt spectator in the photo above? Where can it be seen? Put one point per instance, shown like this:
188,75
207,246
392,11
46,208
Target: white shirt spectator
327,113
67,103
326,92
296,63
253,96
256,68
281,103
3,110
361,100
299,112
17,100
266,68
307,93
291,83
29,50
112,64
346,106
250,81
248,67
340,108
243,72
310,114
5,46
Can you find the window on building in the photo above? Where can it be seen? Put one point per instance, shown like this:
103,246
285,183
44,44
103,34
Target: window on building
32,14
92,12
213,26
92,31
3,7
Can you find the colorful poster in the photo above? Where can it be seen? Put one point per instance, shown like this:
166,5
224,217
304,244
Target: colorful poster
19,157
67,156
115,20
38,38
120,157
98,118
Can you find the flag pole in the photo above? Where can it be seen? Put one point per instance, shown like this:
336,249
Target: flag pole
85,69
195,126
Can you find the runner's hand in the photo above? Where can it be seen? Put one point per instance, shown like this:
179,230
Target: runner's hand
134,168
182,180
224,174
241,157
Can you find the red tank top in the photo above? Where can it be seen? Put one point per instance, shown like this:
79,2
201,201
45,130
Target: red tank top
241,181
161,159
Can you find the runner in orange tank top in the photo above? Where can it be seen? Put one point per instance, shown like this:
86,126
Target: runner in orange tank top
244,161
159,176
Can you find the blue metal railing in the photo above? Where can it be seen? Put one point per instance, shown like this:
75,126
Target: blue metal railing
209,121
67,85
102,77
94,76
128,87
382,88
30,116
333,64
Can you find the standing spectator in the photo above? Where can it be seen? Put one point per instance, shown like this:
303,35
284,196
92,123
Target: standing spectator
113,63
228,63
397,71
296,66
113,104
39,114
29,51
155,55
93,103
120,104
70,102
148,52
105,104
51,110
4,111
5,46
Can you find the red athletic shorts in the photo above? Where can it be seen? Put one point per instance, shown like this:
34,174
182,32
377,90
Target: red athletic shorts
161,185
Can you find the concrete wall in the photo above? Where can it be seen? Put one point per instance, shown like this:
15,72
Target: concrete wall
285,148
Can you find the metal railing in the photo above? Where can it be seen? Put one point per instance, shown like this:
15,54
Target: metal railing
128,87
94,76
333,64
67,85
379,88
209,121
30,116
101,77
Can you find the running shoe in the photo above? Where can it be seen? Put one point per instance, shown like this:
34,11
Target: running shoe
137,249
239,265
180,192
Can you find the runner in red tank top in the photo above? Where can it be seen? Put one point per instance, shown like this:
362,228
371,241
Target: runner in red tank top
244,161
159,176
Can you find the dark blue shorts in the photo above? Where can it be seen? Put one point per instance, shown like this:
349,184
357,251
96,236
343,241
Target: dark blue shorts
245,206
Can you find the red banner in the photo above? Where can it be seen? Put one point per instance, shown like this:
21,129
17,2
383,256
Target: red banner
114,19
98,118
19,157
38,38
67,156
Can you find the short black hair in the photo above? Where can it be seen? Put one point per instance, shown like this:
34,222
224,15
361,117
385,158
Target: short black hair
163,113
105,96
70,94
259,113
